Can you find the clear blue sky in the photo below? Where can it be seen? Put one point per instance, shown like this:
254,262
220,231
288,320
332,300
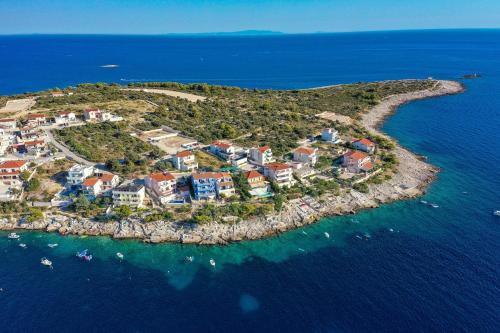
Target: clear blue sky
174,16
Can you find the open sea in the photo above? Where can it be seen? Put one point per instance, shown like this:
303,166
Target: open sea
413,268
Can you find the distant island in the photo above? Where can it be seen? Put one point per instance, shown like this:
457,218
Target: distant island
199,163
231,33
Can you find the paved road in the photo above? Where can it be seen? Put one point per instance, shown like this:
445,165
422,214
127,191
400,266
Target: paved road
69,154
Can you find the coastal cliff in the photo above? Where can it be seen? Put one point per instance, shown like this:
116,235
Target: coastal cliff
411,180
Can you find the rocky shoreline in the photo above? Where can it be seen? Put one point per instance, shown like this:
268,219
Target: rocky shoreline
411,180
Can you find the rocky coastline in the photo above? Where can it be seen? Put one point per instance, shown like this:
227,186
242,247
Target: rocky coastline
411,180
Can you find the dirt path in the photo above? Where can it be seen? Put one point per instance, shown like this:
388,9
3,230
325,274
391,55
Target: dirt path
190,97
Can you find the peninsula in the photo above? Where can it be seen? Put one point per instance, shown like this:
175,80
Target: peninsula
196,163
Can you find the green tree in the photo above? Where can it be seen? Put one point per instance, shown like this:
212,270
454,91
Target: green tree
33,184
123,211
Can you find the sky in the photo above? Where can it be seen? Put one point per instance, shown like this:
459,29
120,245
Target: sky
191,16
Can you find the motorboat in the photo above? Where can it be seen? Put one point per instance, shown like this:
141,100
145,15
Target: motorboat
120,255
23,245
496,213
46,262
433,205
327,235
13,235
84,255
52,245
189,259
212,262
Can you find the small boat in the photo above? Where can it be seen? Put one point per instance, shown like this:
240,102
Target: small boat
13,235
84,255
301,249
433,205
52,245
354,221
423,202
358,237
23,245
189,259
391,230
212,262
46,262
327,235
496,213
120,255
304,233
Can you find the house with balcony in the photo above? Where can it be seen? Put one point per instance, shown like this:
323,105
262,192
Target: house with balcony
36,119
10,171
261,155
77,174
92,187
129,194
257,183
185,161
8,124
223,150
109,181
306,155
330,135
212,185
280,173
356,161
161,186
364,145
97,116
65,118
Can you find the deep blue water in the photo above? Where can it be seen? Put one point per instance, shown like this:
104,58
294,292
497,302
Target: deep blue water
437,272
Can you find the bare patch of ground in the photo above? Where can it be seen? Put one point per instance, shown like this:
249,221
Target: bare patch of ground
190,97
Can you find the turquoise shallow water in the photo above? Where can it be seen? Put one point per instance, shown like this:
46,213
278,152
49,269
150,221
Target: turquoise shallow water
437,270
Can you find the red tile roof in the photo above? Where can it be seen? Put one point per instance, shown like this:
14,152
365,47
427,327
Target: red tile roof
221,144
253,174
107,177
12,164
263,149
34,143
305,150
277,166
357,155
365,142
367,166
5,120
36,115
161,177
184,153
90,181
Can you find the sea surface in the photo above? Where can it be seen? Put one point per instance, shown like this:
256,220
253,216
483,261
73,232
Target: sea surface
405,267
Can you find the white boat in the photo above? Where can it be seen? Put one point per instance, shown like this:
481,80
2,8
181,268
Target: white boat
424,202
52,245
13,235
120,255
391,230
496,213
189,259
46,262
301,249
23,245
212,262
434,205
327,235
304,233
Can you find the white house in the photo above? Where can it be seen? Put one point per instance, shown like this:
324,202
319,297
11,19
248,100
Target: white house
129,194
261,155
109,181
36,119
185,161
357,161
8,123
65,118
280,173
364,145
330,135
224,150
97,115
306,155
92,187
11,170
161,186
78,173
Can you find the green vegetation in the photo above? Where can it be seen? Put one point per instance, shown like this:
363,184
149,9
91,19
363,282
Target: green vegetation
361,187
35,214
110,143
33,185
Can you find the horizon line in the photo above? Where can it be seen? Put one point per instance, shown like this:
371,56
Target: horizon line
238,33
